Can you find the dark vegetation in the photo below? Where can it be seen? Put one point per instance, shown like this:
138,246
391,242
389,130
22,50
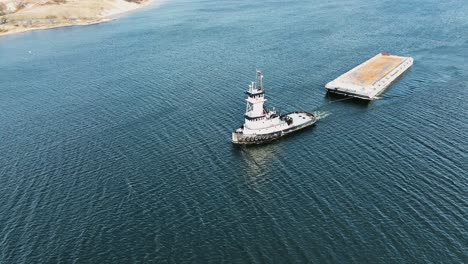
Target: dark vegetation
135,1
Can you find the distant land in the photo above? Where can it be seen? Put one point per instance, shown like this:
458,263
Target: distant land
24,15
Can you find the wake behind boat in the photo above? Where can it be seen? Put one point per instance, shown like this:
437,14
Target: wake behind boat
263,125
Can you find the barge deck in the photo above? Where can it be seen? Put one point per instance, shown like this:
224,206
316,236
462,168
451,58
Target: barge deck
371,78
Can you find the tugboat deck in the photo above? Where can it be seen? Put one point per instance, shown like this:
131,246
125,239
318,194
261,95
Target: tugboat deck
372,77
299,120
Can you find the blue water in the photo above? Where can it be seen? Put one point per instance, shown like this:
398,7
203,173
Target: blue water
115,138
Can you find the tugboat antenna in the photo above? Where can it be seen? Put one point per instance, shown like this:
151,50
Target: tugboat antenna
259,80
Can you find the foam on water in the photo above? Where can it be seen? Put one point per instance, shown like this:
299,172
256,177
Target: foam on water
321,114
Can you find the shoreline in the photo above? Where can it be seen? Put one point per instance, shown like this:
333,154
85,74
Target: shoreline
114,13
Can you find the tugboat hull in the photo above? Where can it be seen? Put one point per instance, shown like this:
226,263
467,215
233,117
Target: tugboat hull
299,120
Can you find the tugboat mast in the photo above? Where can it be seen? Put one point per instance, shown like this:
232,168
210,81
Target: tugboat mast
259,80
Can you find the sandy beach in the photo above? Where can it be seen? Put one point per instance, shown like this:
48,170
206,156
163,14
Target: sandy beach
25,15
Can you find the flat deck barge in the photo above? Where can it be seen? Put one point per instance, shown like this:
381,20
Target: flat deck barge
371,78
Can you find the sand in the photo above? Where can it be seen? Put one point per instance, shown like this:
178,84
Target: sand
371,71
375,69
45,14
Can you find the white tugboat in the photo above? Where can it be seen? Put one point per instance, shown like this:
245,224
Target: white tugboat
263,125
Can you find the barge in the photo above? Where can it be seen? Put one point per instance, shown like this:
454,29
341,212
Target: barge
371,78
263,125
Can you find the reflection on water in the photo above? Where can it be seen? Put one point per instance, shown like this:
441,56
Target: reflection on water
258,160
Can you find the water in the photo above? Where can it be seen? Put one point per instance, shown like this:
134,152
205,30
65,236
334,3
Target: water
115,138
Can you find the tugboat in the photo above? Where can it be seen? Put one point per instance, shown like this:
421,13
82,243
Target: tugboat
263,125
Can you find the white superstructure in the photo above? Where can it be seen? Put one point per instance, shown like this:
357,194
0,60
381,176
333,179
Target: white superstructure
258,119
